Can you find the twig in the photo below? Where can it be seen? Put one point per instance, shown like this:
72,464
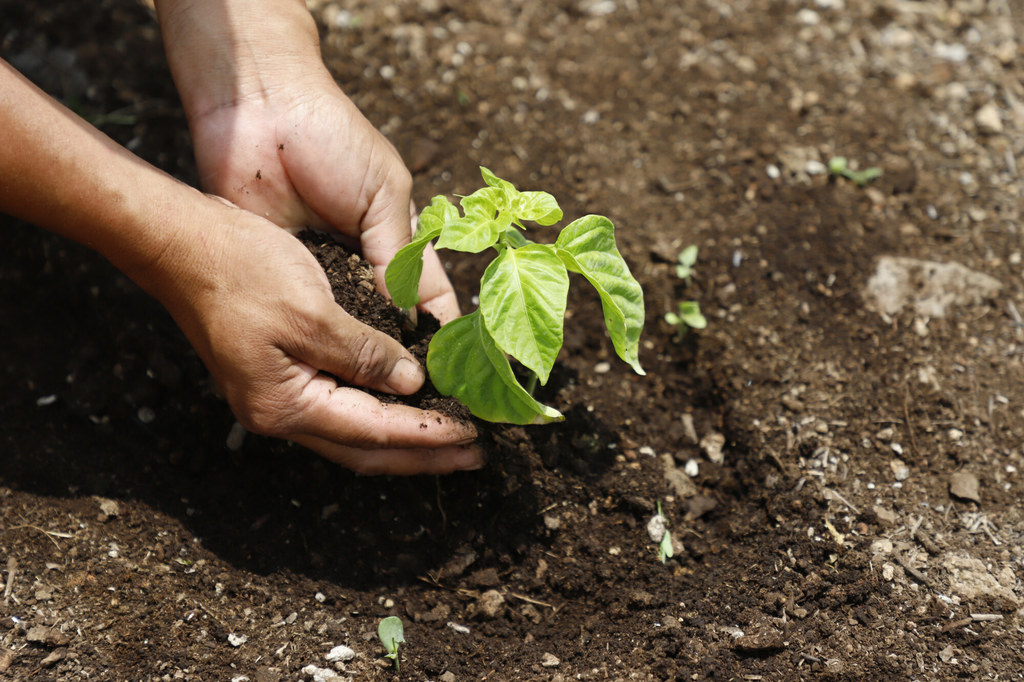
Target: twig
535,602
440,507
983,617
914,573
906,418
922,537
50,534
12,570
956,624
829,493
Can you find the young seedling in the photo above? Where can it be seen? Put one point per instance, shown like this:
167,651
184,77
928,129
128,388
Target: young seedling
838,165
392,634
688,316
523,296
657,529
684,264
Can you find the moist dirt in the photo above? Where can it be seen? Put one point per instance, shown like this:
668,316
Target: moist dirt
840,471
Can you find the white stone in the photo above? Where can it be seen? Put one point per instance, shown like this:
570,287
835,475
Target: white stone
340,653
815,167
989,120
549,660
929,287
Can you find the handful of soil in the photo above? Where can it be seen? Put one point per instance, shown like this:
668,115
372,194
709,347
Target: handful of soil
351,280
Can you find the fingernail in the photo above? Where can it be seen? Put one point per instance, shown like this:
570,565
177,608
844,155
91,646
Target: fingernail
406,377
470,459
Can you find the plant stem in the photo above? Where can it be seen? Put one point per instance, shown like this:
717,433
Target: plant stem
531,383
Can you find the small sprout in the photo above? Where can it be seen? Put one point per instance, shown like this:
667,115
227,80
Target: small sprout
688,317
839,166
391,633
686,261
657,529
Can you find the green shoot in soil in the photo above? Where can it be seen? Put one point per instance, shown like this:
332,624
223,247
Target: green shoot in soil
688,316
684,264
391,633
838,165
657,528
523,296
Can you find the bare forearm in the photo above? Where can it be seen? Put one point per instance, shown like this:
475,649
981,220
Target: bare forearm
225,51
60,173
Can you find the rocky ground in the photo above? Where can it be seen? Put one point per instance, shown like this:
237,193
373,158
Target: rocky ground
838,454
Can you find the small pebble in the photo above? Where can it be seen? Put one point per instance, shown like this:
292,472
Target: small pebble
340,653
237,640
815,167
602,368
692,468
549,660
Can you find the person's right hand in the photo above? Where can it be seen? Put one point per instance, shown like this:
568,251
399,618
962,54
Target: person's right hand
285,355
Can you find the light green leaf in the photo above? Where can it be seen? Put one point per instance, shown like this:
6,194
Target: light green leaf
587,246
473,233
435,217
665,549
402,276
522,301
464,363
690,315
539,207
483,203
391,633
508,190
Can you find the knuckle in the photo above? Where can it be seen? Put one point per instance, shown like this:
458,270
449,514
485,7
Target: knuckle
370,361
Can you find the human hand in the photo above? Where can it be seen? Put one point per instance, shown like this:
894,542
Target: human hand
303,155
261,315
274,134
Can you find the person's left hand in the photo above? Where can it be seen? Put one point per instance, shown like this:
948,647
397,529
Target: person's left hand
303,155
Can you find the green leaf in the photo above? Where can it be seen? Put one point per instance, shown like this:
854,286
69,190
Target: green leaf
391,633
665,548
483,203
464,363
522,301
587,246
539,207
690,315
402,276
507,189
473,233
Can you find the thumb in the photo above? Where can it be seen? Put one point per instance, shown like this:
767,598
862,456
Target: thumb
357,354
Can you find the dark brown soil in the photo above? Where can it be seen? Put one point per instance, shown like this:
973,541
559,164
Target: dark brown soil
816,458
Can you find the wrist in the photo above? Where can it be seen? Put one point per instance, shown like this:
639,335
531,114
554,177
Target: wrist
224,52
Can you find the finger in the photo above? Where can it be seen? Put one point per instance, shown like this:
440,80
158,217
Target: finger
397,462
335,342
437,296
351,417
